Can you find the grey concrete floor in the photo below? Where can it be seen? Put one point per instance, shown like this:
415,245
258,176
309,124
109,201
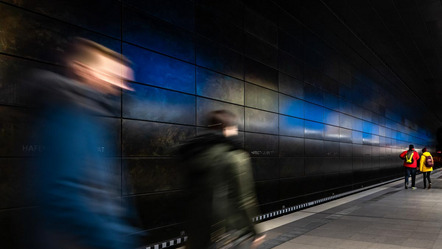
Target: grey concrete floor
389,217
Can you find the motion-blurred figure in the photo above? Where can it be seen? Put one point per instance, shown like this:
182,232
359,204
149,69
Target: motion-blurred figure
222,199
77,183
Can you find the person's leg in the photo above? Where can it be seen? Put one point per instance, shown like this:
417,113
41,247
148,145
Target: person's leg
413,177
429,179
424,174
407,174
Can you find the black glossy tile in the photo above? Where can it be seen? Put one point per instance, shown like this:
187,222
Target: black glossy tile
314,166
332,149
17,187
331,101
260,51
291,147
18,136
142,138
367,150
291,167
331,165
218,86
346,149
227,10
260,145
289,126
14,228
178,12
146,31
260,121
358,163
357,124
331,117
291,86
367,138
288,23
159,70
375,151
290,44
42,38
101,16
357,137
314,148
204,106
261,74
149,175
150,103
346,136
313,112
290,65
265,168
222,30
291,106
266,191
314,130
267,9
331,133
158,210
346,165
261,27
220,59
346,121
261,98
291,187
313,94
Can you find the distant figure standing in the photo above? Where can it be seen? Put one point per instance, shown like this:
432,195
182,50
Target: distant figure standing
221,197
426,166
410,158
77,183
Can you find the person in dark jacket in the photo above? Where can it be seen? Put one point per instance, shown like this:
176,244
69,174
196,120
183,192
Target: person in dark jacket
411,158
221,201
76,181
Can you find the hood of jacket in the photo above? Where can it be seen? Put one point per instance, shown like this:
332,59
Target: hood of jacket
426,153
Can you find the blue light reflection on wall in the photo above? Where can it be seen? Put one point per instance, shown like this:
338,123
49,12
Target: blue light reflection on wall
314,130
155,69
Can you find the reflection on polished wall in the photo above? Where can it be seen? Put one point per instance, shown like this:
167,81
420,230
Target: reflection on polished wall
315,120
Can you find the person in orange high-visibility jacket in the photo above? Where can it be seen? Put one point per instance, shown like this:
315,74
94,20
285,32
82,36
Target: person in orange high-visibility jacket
426,170
410,157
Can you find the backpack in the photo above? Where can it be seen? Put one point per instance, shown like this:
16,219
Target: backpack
409,157
429,161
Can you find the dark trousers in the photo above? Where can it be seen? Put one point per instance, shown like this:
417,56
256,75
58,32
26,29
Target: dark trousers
412,172
427,176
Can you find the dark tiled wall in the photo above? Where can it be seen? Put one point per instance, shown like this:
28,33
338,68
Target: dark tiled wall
314,121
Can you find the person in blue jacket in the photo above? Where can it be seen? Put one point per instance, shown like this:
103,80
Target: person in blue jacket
77,184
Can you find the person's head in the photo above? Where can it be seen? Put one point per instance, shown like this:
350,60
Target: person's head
98,66
411,147
424,149
224,121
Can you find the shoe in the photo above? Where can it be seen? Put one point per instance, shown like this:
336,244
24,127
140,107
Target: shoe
429,186
413,188
406,185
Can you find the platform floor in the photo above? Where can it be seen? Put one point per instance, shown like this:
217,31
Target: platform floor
385,217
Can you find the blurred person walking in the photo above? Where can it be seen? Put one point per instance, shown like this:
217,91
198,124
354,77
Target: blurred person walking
221,201
426,166
410,157
77,181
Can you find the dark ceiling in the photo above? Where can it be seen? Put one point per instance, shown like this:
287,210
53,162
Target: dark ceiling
401,39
